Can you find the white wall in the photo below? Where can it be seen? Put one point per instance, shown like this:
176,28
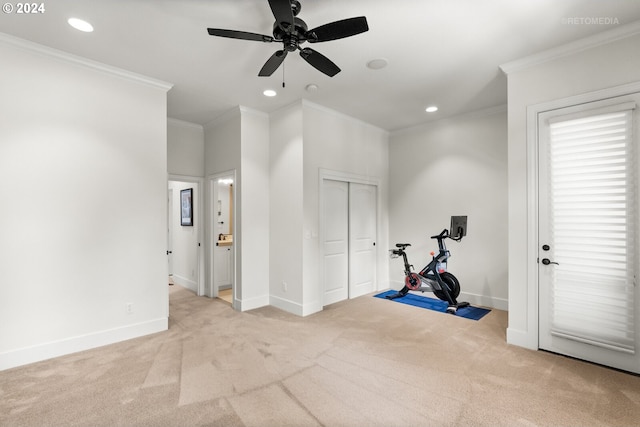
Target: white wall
185,148
253,209
590,69
285,209
222,143
185,239
454,166
83,182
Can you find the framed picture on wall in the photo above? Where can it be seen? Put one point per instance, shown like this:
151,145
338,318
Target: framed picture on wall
186,207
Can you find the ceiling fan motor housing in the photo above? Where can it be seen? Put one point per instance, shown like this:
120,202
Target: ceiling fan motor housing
293,38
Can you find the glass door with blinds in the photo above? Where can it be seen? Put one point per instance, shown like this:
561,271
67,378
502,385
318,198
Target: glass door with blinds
588,227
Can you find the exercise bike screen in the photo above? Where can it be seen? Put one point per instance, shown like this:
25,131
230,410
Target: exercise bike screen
458,227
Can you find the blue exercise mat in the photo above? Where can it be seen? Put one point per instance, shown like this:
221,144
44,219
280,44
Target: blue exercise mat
474,313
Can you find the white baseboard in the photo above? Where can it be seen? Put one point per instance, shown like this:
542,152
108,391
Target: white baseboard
309,309
522,339
485,301
185,283
286,305
252,303
37,353
289,306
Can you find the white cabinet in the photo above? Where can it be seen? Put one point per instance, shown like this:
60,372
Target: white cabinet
222,265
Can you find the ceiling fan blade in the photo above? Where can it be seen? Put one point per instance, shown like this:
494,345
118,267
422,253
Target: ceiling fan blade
282,12
319,61
338,30
272,63
242,35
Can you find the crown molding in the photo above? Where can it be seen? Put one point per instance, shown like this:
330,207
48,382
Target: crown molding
79,60
469,115
248,110
605,37
184,124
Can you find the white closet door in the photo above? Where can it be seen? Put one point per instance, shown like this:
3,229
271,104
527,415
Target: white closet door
362,239
336,241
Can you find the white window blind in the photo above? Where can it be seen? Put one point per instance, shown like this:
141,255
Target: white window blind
593,217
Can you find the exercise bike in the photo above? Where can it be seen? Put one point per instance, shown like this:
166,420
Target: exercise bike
434,277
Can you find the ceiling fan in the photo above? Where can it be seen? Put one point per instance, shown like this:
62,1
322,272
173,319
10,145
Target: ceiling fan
292,31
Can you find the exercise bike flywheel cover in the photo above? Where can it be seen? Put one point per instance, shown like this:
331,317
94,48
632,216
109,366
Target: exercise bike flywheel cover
413,277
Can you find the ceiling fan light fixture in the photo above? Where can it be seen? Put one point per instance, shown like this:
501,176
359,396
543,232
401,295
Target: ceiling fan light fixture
431,109
80,24
269,93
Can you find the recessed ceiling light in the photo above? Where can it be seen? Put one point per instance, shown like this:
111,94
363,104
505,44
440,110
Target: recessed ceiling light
81,25
311,88
269,93
431,109
377,64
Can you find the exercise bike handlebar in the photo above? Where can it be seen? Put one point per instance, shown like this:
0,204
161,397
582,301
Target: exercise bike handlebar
443,235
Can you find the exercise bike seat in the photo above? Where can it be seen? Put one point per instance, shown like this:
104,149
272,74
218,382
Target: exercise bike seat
402,245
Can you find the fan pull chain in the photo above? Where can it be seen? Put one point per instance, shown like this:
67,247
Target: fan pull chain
283,75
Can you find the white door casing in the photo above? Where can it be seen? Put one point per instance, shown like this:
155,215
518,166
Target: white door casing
170,230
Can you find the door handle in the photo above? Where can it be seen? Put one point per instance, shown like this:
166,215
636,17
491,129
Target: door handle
547,261
169,252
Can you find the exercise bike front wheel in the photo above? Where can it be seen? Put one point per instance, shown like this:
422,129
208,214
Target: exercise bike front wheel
452,283
412,281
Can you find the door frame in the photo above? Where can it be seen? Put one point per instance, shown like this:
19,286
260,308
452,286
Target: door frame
328,174
531,338
211,290
198,224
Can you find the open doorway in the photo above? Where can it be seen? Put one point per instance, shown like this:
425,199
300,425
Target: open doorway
222,225
184,233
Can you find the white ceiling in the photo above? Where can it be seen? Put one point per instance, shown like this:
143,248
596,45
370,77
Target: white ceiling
443,52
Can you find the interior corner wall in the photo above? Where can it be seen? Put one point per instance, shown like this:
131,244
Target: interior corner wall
222,143
598,68
285,209
339,143
185,148
454,166
254,213
83,179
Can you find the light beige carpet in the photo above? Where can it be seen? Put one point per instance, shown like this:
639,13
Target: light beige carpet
362,362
